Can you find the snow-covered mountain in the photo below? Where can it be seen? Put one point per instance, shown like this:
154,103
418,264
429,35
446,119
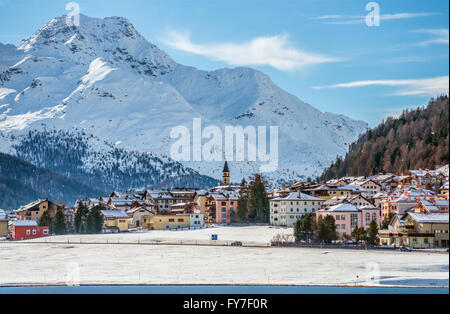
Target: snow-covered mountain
105,79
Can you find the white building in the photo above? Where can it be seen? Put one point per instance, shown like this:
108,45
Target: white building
196,221
285,211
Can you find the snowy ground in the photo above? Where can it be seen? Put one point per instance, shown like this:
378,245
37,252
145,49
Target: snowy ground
58,262
33,263
248,235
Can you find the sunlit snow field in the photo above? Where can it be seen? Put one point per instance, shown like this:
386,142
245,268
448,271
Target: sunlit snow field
24,263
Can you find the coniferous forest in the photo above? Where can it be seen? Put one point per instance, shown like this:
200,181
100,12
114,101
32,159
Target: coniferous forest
416,139
22,182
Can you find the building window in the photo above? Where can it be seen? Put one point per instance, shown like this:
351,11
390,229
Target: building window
354,220
34,232
45,231
171,220
28,232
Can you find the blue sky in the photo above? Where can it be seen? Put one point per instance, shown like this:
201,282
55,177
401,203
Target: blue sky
321,51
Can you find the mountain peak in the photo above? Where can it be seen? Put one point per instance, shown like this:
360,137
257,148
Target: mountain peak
113,39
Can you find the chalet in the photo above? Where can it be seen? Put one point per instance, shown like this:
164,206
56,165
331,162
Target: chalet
136,215
417,230
115,220
34,210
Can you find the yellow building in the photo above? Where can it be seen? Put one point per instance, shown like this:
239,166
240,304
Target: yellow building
166,222
417,230
116,220
3,227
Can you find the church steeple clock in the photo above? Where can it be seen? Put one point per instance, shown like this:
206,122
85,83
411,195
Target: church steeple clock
226,174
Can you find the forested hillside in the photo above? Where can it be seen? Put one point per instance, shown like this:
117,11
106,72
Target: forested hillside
22,182
417,139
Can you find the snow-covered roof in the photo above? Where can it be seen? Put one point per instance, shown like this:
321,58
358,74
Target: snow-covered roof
24,223
295,197
343,207
430,218
114,214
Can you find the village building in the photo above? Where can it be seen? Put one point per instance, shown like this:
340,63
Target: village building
225,205
169,222
417,230
34,210
371,188
348,216
27,229
400,202
115,221
287,210
137,214
163,200
3,224
326,192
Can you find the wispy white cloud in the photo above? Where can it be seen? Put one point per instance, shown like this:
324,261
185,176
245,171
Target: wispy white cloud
358,19
410,87
275,51
439,36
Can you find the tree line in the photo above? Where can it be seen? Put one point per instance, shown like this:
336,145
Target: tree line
311,229
416,139
86,221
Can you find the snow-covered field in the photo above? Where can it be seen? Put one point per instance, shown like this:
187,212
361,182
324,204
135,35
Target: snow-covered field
50,263
248,235
28,263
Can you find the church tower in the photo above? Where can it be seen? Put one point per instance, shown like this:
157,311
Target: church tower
226,174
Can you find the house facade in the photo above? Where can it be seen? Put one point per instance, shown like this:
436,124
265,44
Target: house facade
27,229
417,230
169,222
34,210
115,220
348,216
285,211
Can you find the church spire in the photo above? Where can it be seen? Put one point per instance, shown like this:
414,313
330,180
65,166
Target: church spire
226,174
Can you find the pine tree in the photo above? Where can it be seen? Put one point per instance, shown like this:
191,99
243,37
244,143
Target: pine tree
46,220
372,233
327,229
90,224
60,223
242,210
258,202
80,215
359,234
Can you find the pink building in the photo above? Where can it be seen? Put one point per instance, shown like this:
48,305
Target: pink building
348,216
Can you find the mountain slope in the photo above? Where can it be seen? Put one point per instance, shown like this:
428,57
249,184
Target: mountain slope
22,182
105,79
417,139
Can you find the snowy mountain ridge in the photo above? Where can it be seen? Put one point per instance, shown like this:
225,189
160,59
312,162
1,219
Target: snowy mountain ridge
104,78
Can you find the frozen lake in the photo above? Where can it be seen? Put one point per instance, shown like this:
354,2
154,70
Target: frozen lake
204,290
